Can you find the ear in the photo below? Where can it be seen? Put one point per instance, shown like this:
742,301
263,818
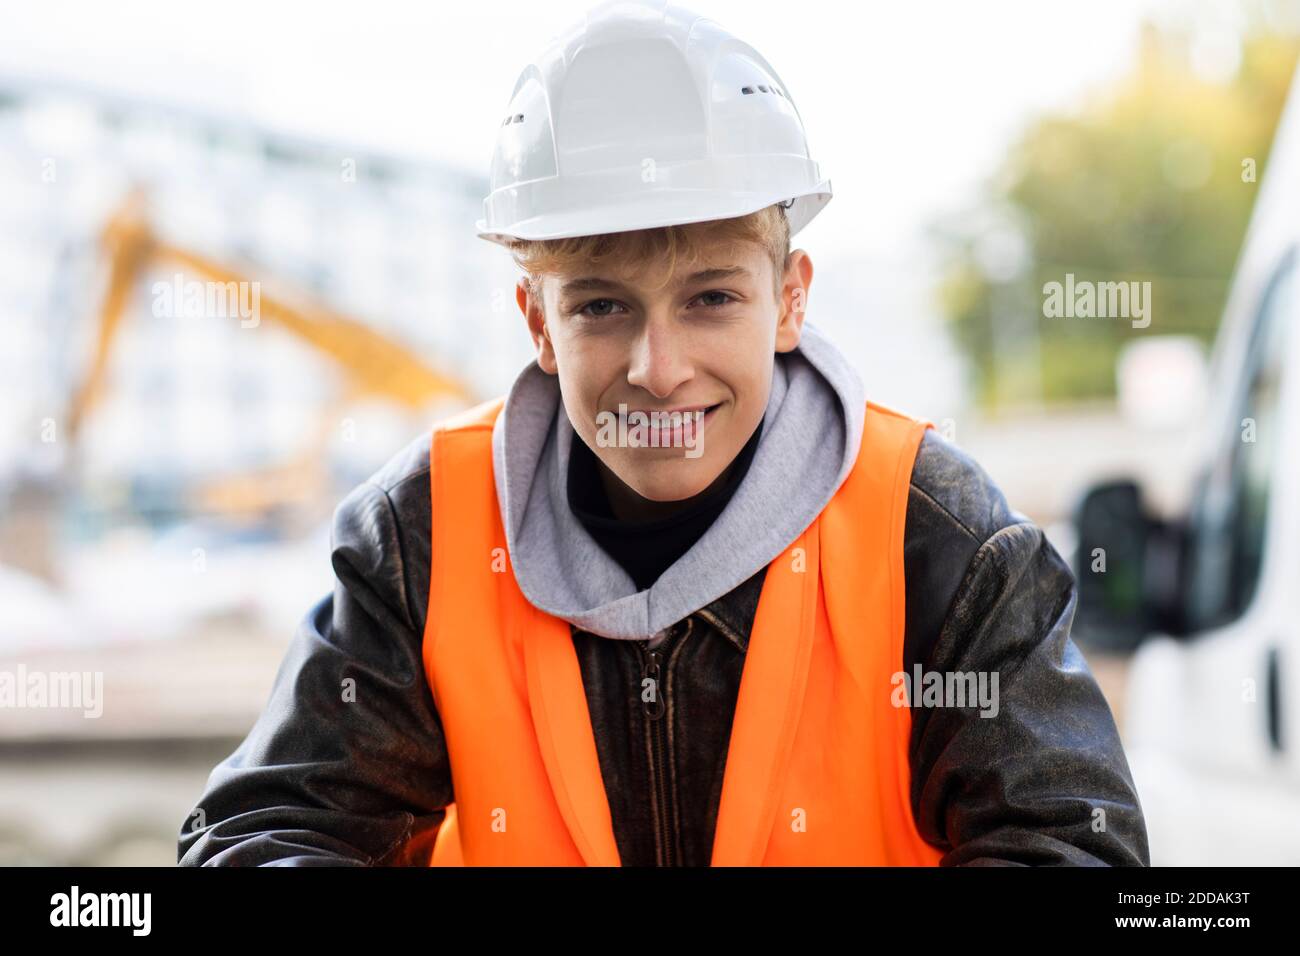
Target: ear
793,300
533,308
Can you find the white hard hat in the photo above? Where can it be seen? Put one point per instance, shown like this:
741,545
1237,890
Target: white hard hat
642,115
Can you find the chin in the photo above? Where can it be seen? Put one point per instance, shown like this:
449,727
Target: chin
670,487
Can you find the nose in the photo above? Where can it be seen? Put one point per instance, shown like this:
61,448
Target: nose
660,360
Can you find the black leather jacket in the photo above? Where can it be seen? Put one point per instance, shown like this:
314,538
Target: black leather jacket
321,781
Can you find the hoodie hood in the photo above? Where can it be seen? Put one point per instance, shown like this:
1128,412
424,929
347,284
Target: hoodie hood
812,431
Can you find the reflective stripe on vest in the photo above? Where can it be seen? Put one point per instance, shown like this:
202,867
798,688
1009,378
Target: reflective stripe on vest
817,770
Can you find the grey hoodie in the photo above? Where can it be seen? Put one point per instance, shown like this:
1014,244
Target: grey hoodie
812,430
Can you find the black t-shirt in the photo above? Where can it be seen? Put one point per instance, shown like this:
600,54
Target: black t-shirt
646,549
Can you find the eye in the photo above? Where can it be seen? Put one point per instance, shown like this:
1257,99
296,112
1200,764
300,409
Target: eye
598,315
727,299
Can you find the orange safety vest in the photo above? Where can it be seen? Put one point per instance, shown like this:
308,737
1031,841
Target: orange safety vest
817,770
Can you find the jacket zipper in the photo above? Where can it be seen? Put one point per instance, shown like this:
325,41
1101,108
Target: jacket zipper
651,669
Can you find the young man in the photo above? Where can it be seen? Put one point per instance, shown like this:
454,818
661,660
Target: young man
791,627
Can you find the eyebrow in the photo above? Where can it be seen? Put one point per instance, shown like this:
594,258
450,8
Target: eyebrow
590,283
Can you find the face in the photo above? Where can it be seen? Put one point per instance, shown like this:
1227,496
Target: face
705,340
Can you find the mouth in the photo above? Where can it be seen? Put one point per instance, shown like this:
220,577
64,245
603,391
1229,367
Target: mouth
689,427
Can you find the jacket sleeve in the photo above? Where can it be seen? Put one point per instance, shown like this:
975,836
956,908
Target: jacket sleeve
347,764
1042,779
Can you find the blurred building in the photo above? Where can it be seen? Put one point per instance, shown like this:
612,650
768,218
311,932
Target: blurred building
120,550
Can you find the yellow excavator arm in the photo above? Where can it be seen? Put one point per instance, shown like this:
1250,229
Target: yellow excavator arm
376,366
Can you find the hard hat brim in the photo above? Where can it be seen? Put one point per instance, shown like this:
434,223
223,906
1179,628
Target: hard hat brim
675,208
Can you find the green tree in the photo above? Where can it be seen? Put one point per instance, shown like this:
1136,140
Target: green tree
1145,183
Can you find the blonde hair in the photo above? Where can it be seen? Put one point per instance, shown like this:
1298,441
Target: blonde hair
628,251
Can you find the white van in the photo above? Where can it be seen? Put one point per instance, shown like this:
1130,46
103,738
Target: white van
1211,602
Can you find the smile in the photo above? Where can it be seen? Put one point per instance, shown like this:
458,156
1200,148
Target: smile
681,427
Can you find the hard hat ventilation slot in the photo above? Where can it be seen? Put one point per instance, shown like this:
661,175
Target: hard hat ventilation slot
762,88
515,118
